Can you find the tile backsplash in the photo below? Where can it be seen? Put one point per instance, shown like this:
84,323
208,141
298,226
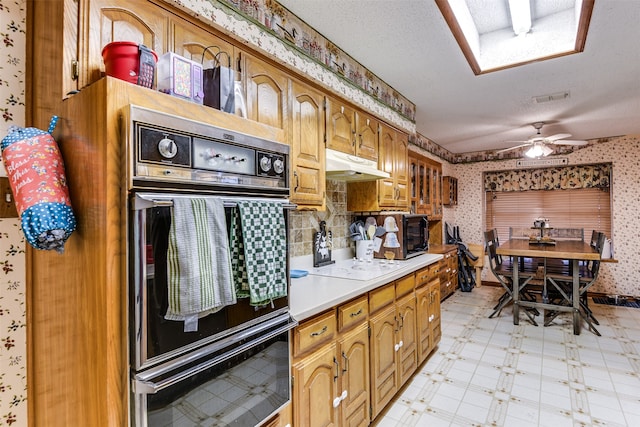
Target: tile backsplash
305,223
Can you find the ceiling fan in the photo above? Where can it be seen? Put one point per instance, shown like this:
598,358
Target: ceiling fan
540,144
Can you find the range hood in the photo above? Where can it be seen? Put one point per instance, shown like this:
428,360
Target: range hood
346,167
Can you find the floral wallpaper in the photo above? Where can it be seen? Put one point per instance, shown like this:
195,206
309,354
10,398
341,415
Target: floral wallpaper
623,153
13,342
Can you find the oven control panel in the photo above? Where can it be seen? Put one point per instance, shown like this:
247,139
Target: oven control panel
169,149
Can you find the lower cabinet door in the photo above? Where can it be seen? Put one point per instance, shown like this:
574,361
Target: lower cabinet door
315,388
423,324
354,379
384,379
407,346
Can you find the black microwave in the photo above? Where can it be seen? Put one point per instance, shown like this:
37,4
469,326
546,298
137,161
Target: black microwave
407,235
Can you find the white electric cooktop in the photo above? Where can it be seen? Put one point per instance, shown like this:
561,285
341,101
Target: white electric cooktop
357,269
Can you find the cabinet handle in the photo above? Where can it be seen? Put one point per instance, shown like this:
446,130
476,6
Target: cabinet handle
396,347
322,331
346,362
357,313
401,321
336,402
335,378
295,174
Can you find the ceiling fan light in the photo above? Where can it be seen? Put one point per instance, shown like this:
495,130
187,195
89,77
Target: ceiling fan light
534,151
538,150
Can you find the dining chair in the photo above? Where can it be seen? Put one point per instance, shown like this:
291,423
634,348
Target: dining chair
562,281
502,269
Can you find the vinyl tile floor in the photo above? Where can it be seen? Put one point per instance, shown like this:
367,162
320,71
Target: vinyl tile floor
490,372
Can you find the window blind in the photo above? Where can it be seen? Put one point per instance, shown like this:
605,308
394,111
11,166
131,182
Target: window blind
586,208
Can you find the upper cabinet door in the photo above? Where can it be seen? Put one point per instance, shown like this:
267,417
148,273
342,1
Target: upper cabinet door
120,20
387,190
401,168
200,45
341,127
307,148
267,94
366,136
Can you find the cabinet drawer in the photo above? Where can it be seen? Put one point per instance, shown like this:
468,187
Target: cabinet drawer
427,273
314,332
405,285
381,297
353,312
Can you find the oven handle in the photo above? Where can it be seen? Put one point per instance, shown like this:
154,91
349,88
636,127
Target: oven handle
147,201
151,387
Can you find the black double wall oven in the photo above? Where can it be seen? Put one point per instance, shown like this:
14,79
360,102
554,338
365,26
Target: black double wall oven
230,366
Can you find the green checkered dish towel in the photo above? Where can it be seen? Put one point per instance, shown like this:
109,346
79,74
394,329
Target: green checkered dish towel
258,251
198,259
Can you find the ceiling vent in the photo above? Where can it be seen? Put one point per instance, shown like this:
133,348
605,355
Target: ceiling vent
542,162
559,96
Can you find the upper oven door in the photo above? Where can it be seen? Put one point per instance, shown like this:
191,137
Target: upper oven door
155,339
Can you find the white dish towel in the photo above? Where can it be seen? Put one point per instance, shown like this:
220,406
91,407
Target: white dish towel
198,260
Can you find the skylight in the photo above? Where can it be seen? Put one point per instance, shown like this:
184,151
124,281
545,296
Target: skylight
498,34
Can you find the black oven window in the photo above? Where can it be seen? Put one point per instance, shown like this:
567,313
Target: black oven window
242,391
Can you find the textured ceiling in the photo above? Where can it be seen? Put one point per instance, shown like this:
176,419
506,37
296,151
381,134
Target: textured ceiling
408,44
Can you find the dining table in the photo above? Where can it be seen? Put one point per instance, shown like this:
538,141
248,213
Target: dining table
574,251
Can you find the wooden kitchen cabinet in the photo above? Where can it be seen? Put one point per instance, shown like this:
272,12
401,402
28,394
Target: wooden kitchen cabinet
267,94
68,37
341,126
425,186
428,310
200,45
436,191
448,268
315,386
79,352
331,383
449,191
353,352
407,361
367,136
393,192
384,378
350,130
307,177
119,20
388,193
393,340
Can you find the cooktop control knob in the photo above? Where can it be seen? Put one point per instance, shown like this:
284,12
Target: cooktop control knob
167,148
278,166
265,164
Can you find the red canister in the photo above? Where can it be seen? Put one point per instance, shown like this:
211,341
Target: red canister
122,60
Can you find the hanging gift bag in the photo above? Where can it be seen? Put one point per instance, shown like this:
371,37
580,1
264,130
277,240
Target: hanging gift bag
36,174
219,83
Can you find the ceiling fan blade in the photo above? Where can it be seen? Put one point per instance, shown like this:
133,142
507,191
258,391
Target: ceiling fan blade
569,142
512,148
557,136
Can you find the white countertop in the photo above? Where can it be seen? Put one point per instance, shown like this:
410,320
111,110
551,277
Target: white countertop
313,294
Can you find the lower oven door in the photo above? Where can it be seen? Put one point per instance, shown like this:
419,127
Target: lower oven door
240,381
